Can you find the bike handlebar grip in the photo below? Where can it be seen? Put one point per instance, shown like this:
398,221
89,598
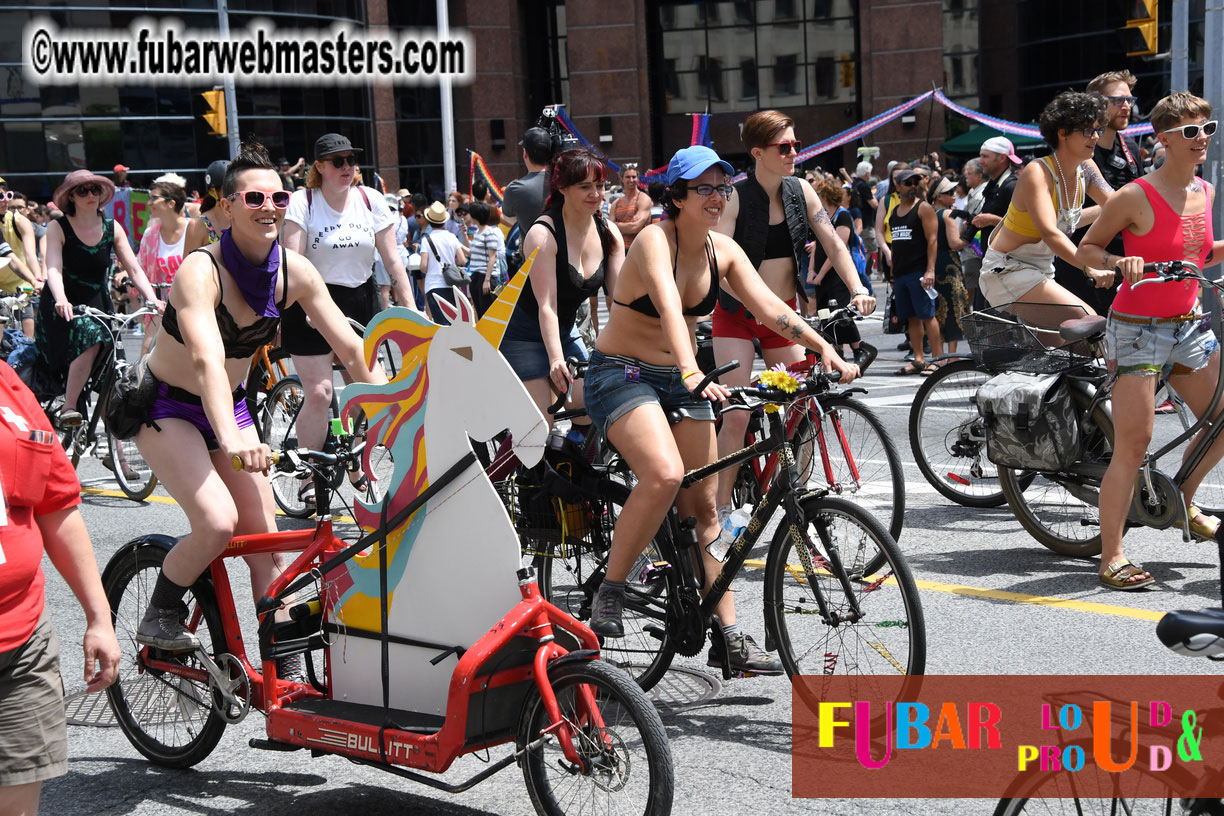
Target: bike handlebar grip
236,460
556,406
718,372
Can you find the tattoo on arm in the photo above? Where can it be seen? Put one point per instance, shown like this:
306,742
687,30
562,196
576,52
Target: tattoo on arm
1093,179
822,216
784,321
796,332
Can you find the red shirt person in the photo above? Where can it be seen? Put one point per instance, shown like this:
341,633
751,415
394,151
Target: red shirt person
39,494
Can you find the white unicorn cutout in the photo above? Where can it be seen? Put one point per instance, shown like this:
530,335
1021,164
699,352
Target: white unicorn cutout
451,568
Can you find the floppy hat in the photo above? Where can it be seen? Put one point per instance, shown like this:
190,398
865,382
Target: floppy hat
75,179
403,193
436,214
330,143
691,162
1002,146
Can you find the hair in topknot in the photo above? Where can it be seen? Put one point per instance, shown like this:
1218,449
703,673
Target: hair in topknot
251,156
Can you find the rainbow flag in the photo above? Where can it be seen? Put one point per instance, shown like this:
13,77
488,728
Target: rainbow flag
477,166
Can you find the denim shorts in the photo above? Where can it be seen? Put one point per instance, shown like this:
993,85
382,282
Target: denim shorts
1151,348
529,358
615,385
912,298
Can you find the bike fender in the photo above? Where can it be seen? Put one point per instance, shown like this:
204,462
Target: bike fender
152,540
574,657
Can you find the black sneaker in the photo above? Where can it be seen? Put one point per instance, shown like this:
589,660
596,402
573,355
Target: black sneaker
746,656
606,619
290,667
904,345
165,629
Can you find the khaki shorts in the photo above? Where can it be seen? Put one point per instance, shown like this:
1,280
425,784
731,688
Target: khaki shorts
33,728
1008,277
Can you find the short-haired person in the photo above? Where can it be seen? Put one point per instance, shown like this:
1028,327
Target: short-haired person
914,235
887,198
338,225
867,204
523,199
1047,206
487,246
39,492
1119,160
631,212
970,254
644,365
825,284
770,215
212,221
227,300
1164,216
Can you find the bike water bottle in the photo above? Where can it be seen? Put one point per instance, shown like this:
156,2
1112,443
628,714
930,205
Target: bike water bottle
732,526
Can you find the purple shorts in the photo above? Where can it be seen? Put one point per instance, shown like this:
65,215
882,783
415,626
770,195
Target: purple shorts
178,403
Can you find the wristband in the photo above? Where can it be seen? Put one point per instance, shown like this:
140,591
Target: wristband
686,375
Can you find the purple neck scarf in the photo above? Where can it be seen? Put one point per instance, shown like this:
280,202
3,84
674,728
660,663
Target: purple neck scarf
256,282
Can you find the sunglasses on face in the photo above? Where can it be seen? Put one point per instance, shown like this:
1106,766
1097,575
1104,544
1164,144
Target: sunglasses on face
1192,131
254,199
1091,132
912,181
1119,101
784,148
706,190
339,161
7,195
80,192
629,166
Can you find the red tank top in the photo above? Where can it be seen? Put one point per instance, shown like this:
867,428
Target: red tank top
1173,237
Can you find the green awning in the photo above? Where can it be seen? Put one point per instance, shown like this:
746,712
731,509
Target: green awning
971,142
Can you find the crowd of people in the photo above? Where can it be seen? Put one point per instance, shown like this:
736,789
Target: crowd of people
297,251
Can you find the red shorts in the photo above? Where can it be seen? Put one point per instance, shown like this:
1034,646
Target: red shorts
739,324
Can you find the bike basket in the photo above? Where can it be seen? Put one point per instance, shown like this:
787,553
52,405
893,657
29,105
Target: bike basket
1031,421
1017,337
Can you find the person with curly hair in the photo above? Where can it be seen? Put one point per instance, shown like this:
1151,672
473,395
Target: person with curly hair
1046,208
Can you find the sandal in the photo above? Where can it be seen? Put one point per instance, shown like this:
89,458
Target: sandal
1202,525
929,369
908,370
306,493
1118,574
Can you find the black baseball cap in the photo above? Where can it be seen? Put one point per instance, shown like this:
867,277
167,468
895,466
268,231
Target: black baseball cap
536,140
330,143
215,174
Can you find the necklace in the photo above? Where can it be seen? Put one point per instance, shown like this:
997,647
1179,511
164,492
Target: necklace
1067,187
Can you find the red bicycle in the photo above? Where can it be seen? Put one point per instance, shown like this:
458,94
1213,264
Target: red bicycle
584,734
840,447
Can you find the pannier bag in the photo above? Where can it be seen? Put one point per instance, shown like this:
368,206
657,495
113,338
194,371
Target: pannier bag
1031,421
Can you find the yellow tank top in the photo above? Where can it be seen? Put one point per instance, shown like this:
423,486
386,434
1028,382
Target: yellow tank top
1021,223
10,281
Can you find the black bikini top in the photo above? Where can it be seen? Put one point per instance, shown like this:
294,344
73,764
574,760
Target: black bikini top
644,305
778,242
239,341
588,287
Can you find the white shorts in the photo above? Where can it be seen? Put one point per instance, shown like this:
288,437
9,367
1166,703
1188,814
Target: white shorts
1007,277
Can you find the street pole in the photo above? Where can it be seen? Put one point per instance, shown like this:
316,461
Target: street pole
1179,80
448,108
231,103
1213,90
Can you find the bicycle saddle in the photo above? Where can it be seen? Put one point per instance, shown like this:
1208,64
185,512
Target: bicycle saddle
1195,634
1081,328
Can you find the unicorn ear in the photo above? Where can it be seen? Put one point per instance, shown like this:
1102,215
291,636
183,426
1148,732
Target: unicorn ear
466,310
447,309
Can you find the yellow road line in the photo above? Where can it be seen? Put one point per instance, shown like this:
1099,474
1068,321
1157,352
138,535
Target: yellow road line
1023,598
119,494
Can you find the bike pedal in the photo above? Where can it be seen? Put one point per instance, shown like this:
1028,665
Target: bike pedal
271,745
654,631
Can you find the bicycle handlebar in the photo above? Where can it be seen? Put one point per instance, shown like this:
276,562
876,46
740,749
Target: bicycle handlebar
285,460
573,364
812,386
1166,271
718,372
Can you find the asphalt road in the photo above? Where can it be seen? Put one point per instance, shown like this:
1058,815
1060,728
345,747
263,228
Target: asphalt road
995,601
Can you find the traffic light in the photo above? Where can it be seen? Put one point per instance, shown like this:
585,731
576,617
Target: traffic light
215,116
1139,33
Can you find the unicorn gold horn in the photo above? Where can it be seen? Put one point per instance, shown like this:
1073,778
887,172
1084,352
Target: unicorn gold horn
493,325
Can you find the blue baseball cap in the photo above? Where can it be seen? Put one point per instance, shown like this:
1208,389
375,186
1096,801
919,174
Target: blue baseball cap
691,162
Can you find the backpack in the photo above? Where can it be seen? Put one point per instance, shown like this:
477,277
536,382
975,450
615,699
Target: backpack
856,252
1031,421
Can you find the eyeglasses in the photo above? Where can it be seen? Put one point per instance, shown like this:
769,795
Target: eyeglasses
82,191
1192,131
706,190
784,148
155,196
1119,101
1090,133
254,199
339,161
912,181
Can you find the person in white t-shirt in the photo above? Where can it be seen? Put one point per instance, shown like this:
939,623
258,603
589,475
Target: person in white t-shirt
338,226
438,246
161,248
381,276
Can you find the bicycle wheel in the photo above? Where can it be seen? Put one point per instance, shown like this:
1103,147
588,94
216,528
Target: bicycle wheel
168,718
888,634
948,438
620,740
132,472
280,432
1210,494
855,442
1086,806
1094,793
1060,509
570,569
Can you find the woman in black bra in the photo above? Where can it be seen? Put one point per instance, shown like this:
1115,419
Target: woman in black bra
226,302
579,254
644,365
